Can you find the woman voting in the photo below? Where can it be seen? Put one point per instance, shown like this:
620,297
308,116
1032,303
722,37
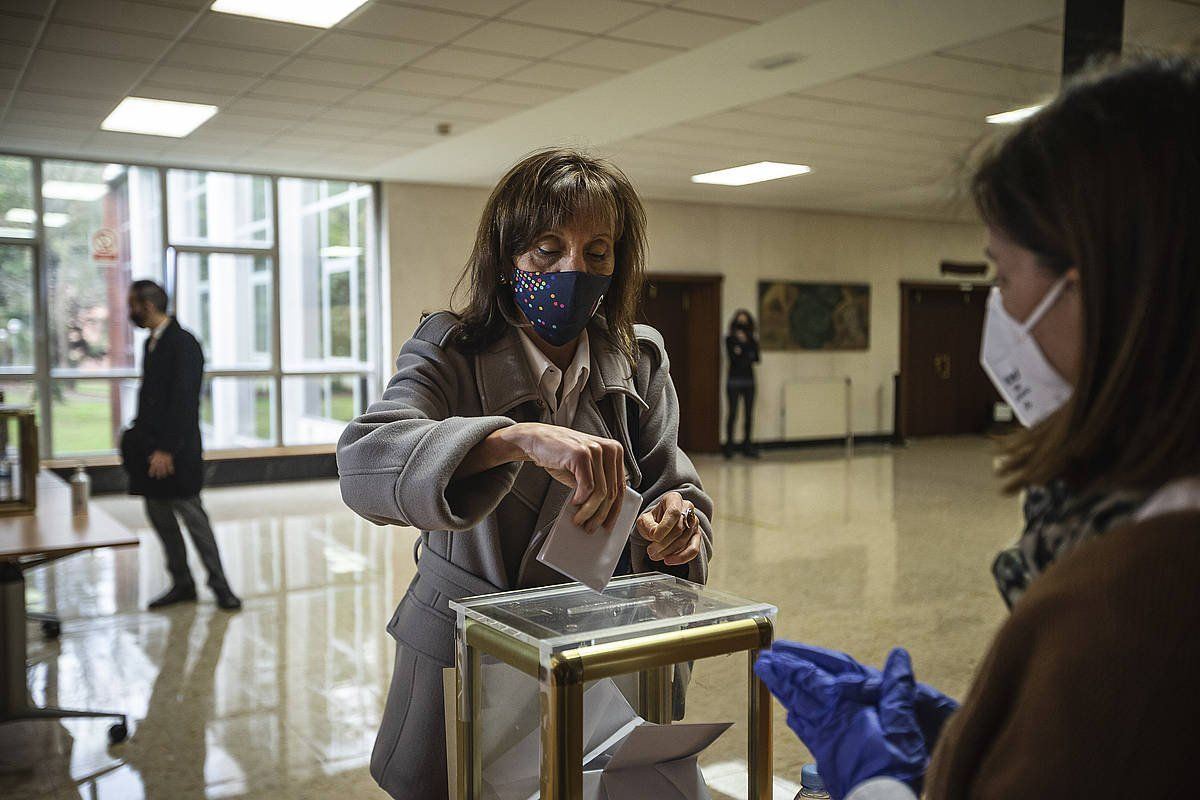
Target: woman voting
541,392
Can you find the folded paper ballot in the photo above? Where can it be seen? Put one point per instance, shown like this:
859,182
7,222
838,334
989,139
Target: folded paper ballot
589,558
625,757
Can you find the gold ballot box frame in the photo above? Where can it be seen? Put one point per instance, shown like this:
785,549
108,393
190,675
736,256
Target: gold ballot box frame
18,477
564,636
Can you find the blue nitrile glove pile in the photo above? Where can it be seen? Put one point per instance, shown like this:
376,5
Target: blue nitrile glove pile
858,722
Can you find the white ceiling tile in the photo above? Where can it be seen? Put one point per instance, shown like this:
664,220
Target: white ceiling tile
130,46
614,54
852,115
418,82
480,8
202,79
58,119
301,90
57,102
21,30
470,63
1021,47
561,76
125,15
85,74
409,23
468,109
278,108
392,101
238,120
974,77
240,31
401,138
679,28
112,140
182,94
8,77
31,7
13,55
1163,25
370,117
749,10
428,124
318,69
588,16
524,41
901,97
367,49
504,92
17,134
230,58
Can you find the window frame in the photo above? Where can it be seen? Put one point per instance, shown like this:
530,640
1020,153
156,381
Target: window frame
43,376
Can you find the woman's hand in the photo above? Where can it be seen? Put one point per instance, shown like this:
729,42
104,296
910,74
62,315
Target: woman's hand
673,530
593,466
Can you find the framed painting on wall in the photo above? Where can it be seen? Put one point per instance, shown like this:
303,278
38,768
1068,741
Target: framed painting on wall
814,316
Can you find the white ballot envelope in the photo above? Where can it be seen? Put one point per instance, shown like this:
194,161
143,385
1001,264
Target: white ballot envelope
590,558
625,757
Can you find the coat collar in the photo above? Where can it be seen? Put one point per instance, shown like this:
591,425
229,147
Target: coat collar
504,381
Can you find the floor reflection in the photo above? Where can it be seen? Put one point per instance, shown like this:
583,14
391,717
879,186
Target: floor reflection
283,699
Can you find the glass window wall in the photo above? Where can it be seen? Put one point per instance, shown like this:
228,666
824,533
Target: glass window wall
276,277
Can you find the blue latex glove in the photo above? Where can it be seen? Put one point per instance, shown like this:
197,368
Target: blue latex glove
933,708
853,737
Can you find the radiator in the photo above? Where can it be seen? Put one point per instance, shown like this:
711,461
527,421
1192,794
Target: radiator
816,408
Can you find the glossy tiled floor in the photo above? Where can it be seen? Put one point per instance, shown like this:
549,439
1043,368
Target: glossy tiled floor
283,699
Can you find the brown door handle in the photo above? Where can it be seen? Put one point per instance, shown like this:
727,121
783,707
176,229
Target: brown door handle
941,365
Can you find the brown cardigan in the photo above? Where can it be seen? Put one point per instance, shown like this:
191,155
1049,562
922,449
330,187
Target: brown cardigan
1092,687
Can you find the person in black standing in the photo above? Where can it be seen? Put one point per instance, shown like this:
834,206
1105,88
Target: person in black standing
161,451
741,345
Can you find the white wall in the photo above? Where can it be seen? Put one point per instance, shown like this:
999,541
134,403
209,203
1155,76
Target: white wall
431,228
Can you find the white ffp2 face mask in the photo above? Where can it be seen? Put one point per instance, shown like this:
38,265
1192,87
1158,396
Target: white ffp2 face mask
1012,359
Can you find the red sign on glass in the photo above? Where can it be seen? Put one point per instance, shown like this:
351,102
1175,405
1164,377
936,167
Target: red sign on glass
104,245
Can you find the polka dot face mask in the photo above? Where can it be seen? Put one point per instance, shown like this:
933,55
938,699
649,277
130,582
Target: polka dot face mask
559,304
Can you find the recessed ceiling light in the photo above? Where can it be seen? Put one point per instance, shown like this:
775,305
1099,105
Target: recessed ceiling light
314,13
28,217
751,173
73,190
157,117
1016,115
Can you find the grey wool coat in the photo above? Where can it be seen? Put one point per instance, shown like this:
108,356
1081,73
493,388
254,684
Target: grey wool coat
481,534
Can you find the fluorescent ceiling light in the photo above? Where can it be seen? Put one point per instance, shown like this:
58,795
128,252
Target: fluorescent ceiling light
28,217
340,251
1016,115
73,190
15,233
157,117
751,173
314,13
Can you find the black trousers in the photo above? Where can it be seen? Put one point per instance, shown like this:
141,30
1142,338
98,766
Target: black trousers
734,392
162,513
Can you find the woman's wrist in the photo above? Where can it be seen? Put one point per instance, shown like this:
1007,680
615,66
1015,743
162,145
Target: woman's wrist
509,443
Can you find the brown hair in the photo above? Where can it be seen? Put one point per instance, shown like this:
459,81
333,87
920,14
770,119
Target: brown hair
1106,179
546,190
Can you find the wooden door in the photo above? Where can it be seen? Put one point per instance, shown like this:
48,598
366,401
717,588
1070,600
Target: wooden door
943,390
686,310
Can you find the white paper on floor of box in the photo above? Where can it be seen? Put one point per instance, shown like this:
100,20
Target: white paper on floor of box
590,558
624,756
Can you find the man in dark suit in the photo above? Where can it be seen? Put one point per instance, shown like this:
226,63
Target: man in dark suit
161,451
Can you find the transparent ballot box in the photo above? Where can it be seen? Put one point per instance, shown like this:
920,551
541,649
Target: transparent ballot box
564,693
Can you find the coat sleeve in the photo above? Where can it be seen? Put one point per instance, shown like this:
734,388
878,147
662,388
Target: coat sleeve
182,413
665,468
396,461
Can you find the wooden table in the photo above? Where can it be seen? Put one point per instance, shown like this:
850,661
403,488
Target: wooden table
28,540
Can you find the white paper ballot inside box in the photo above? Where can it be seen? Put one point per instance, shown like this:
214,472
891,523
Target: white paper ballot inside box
590,558
625,757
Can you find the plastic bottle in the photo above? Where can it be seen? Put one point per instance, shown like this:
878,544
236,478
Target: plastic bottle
81,491
811,785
